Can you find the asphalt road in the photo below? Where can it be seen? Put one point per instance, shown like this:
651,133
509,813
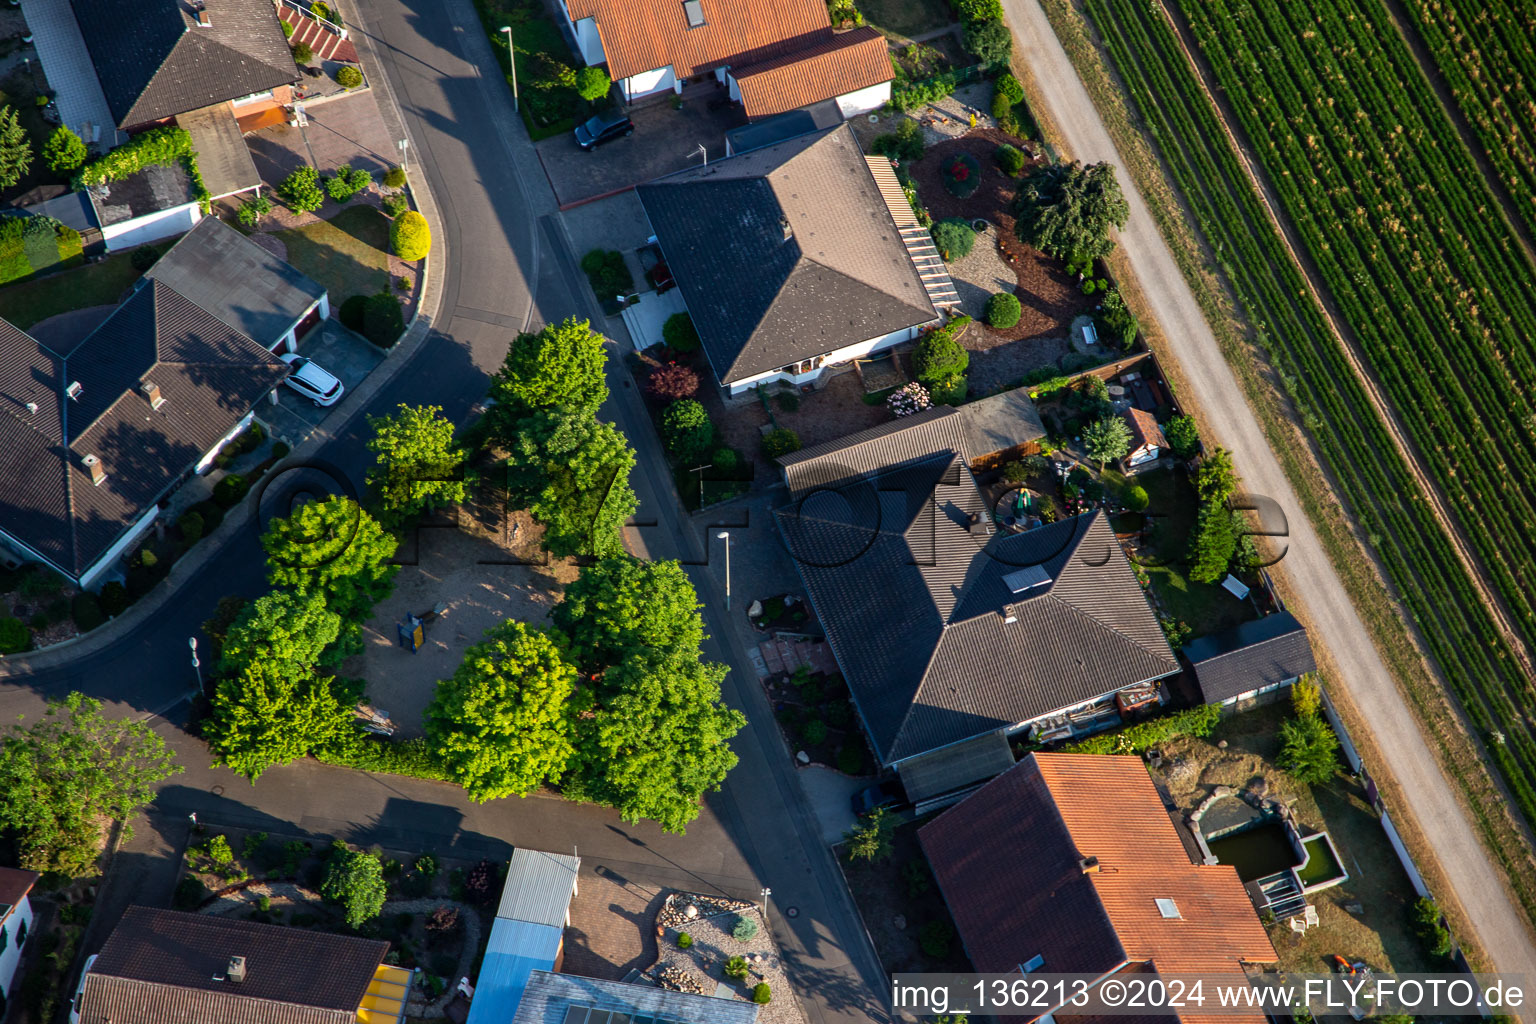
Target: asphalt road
1502,930
508,268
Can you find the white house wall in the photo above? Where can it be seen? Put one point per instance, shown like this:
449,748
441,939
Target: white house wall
589,43
735,90
151,227
10,959
648,83
833,358
862,101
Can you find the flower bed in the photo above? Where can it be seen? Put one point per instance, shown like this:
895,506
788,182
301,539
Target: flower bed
962,174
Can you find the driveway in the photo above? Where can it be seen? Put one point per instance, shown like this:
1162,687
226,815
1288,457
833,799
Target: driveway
665,140
348,130
1502,931
348,356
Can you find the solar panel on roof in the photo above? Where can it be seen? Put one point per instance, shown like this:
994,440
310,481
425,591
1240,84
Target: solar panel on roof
1027,578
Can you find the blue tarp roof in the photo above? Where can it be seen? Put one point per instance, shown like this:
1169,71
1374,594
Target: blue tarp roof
516,950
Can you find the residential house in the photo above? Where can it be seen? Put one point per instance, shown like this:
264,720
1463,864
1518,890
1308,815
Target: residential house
1241,664
770,57
1069,864
796,257
164,967
1147,441
153,203
568,999
95,433
15,923
951,636
528,934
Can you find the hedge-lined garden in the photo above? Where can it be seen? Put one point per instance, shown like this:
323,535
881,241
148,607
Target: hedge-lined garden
32,244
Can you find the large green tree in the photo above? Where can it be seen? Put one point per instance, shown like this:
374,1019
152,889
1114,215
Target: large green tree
65,775
1213,544
572,474
653,737
418,467
1309,750
275,712
1106,439
282,627
625,605
355,880
500,724
559,368
335,549
15,148
1067,210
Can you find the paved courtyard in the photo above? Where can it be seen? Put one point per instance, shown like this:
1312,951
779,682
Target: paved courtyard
612,929
348,130
665,140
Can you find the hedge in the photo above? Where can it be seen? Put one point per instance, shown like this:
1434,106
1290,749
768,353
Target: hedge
32,244
1198,721
412,757
410,236
158,146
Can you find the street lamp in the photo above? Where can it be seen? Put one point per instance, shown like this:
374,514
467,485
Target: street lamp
404,146
725,536
512,60
766,893
197,665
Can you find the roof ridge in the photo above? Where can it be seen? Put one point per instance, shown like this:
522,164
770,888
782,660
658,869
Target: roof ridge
1099,622
124,979
139,98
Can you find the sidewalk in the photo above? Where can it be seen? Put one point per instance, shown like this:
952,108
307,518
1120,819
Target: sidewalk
239,517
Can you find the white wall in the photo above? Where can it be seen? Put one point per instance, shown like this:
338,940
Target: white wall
11,957
208,457
833,358
124,542
734,89
862,101
648,83
178,220
589,42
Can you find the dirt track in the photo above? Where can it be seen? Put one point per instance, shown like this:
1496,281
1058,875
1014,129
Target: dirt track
1501,927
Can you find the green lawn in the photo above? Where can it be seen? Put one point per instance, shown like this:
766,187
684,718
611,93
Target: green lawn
349,253
905,18
1205,607
99,284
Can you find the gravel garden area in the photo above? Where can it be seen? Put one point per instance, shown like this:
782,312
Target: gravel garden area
722,947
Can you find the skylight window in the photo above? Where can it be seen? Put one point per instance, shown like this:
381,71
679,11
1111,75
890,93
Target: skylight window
1168,909
1027,578
694,11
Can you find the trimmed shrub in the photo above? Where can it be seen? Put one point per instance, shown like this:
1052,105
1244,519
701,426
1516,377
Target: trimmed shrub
301,190
410,236
287,30
937,938
780,442
745,928
14,636
687,431
850,758
1183,436
191,527
157,146
229,491
302,54
351,312
252,210
1006,85
725,460
815,732
592,84
954,238
679,334
1010,158
85,609
396,203
1152,733
349,77
1116,319
938,354
144,257
684,940
394,177
761,993
383,319
961,175
114,599
346,183
673,381
949,390
280,449
1136,498
1004,310
64,151
607,273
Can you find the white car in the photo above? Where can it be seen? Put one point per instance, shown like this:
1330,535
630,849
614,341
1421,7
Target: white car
308,379
74,1006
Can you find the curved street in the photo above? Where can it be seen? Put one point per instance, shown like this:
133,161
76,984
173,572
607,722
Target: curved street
508,267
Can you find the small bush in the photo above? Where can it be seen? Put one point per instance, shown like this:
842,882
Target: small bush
787,400
977,10
1010,158
1007,86
349,77
1002,113
394,177
64,151
936,938
114,599
908,399
1136,498
443,920
427,864
218,852
735,967
904,145
301,190
403,283
396,203
229,491
14,636
302,54
480,884
346,183
679,334
684,940
1015,472
1004,310
39,622
351,312
673,381
287,30
85,609
592,84
1183,436
687,431
745,928
410,236
280,450
383,319
815,732
189,893
252,210
850,759
761,993
725,460
144,257
961,175
147,558
780,442
191,527
954,239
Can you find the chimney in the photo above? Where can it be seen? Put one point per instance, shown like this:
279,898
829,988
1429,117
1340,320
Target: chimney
789,232
74,389
237,969
97,470
1090,865
203,20
151,392
32,407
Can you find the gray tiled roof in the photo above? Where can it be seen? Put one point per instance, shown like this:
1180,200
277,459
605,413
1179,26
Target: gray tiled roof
1001,421
159,62
1251,656
761,300
237,281
209,374
910,438
223,158
163,967
909,583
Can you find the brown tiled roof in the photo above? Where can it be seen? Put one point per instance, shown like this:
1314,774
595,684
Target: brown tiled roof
1008,860
643,35
839,64
164,967
14,886
1144,429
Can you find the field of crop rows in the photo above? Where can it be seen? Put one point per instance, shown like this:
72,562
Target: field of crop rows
1377,485
1485,52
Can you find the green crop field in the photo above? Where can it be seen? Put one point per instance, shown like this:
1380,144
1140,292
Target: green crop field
1443,341
1484,51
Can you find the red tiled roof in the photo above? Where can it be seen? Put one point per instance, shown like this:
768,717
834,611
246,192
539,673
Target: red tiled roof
14,886
644,35
1007,859
1144,429
840,64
